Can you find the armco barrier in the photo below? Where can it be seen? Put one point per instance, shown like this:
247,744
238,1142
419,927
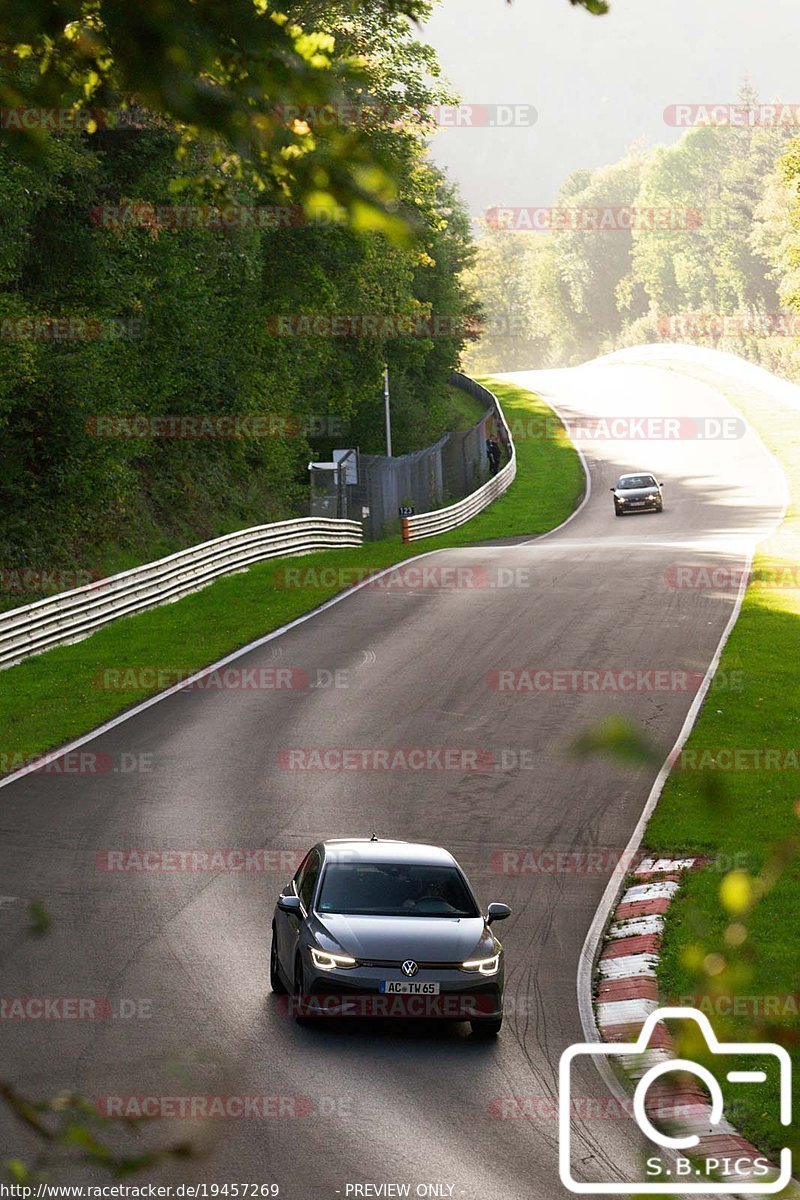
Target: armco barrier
72,615
443,519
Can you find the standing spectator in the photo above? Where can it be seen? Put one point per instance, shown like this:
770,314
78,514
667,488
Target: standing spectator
493,453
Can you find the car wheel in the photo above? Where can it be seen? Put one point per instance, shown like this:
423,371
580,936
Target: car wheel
275,981
618,512
483,1028
660,508
299,992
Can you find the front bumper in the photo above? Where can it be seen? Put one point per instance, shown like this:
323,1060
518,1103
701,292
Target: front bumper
642,504
356,992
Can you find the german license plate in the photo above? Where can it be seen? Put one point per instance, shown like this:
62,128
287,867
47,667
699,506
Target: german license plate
397,987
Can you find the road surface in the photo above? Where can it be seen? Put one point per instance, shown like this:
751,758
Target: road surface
185,953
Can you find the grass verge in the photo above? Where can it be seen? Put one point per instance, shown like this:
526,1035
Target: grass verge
731,937
463,410
57,696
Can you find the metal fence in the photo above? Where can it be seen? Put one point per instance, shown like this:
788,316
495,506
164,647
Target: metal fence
426,524
452,468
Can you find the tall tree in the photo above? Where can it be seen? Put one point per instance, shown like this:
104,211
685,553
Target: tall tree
223,73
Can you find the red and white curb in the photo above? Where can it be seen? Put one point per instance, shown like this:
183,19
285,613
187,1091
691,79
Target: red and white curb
626,995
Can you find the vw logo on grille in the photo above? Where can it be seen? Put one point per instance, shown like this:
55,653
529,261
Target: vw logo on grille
409,967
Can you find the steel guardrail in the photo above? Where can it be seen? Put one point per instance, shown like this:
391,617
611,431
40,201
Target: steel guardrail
75,614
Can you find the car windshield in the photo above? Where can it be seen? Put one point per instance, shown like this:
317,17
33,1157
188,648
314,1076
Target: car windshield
395,890
636,481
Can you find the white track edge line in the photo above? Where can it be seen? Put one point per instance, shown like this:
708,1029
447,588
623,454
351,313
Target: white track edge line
60,751
590,950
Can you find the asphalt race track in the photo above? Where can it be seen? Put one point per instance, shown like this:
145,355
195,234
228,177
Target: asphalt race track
368,1102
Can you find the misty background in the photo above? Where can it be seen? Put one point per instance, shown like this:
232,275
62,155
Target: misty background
598,83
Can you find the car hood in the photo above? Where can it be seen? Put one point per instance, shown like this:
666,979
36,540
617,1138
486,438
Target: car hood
425,939
636,493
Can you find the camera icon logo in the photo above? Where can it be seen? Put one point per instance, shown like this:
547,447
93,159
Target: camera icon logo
677,1172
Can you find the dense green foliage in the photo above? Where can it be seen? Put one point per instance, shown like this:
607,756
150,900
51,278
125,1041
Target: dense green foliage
184,325
224,76
229,77
711,256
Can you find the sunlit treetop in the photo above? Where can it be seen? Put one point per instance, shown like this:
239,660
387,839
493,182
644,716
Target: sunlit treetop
225,72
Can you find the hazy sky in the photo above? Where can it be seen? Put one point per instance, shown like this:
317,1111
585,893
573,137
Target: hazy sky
597,83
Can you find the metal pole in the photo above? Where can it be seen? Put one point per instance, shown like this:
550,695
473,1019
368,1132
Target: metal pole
387,411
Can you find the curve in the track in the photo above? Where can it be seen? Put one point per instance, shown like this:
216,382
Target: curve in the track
407,1103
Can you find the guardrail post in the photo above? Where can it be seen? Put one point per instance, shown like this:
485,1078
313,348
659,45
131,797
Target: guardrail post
406,531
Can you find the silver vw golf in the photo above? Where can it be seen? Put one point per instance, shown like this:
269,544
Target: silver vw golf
637,493
372,927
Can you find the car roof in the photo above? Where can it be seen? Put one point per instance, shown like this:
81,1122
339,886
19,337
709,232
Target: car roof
633,474
385,850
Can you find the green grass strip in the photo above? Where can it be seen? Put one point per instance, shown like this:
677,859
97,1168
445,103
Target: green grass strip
731,938
59,695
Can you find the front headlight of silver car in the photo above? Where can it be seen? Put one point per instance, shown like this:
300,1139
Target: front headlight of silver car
330,962
483,966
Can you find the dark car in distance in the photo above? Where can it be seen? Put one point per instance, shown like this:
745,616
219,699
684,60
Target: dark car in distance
637,492
394,922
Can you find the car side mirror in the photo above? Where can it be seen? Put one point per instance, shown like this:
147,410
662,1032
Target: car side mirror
289,904
497,912
612,489
660,484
